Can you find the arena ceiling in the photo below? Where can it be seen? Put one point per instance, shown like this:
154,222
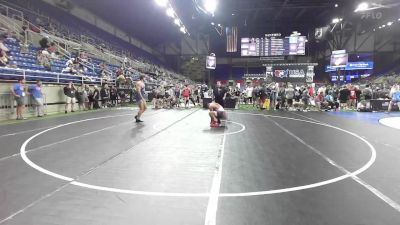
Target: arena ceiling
149,23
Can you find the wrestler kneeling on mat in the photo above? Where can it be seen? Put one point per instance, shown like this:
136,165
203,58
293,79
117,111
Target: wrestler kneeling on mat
217,113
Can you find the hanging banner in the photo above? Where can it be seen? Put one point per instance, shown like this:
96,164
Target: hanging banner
211,62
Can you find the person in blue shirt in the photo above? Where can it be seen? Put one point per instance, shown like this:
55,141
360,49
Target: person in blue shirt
37,95
331,101
18,91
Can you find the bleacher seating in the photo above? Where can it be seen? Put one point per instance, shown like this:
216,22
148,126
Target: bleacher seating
27,64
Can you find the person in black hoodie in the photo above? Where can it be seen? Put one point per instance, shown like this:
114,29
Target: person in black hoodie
219,94
113,96
96,97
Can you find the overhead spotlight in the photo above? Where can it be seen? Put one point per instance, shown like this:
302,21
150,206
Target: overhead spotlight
162,3
210,6
233,14
380,27
336,5
383,26
219,24
177,21
170,12
212,23
364,6
374,29
336,20
183,30
389,23
398,19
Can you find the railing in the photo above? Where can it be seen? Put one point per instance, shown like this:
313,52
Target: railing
8,105
26,10
10,12
11,25
51,77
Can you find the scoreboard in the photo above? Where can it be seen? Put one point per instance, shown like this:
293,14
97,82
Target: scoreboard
273,46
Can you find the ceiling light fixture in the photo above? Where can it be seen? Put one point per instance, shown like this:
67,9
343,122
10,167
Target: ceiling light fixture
162,3
336,20
177,22
364,6
210,6
170,12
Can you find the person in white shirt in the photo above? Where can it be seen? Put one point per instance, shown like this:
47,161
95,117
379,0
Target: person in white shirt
249,94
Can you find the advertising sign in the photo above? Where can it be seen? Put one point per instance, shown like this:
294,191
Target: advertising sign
292,73
368,65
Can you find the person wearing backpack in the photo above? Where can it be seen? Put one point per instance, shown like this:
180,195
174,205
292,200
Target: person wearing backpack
395,94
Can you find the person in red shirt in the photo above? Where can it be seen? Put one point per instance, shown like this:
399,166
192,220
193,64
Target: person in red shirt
186,95
352,98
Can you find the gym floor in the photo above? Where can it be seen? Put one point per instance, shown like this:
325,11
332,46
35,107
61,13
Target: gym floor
270,168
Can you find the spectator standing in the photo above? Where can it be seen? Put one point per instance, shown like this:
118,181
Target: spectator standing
18,91
262,94
367,93
113,96
289,95
79,97
85,97
344,95
105,96
305,97
352,98
191,97
177,92
219,94
395,96
90,97
186,95
249,95
37,95
358,94
69,92
96,98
